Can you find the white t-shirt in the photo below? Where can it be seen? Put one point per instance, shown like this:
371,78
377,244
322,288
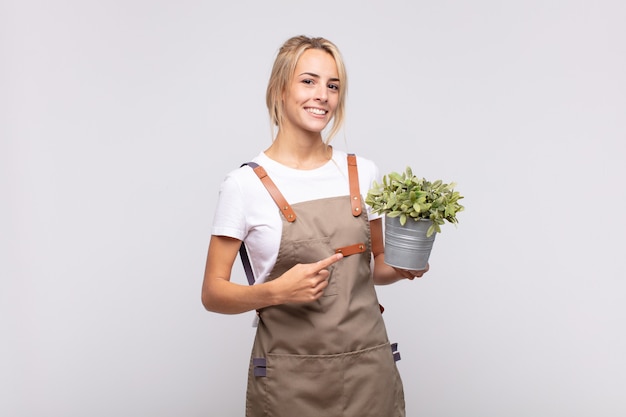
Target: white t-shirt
246,211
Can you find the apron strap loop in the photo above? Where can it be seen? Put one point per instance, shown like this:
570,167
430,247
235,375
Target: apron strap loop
260,367
352,249
394,351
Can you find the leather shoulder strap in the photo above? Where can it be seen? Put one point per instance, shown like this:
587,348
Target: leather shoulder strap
285,209
355,192
280,201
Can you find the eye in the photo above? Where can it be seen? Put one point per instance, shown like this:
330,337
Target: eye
307,81
333,87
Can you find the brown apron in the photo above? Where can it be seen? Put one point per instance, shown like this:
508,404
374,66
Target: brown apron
331,357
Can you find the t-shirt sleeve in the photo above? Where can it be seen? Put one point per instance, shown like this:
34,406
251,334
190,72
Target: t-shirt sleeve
229,219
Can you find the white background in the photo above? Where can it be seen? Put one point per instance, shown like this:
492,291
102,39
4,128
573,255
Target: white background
119,119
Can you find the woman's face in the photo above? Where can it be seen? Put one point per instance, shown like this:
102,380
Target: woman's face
311,98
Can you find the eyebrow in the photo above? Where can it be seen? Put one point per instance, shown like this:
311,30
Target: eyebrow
311,74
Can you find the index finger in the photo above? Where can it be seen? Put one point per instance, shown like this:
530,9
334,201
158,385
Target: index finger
324,263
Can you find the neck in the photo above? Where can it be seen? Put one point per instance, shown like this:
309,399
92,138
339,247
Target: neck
300,153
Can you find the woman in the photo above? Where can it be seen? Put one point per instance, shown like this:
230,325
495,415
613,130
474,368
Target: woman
321,347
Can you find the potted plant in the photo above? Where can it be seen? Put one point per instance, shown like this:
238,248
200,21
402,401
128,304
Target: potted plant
414,210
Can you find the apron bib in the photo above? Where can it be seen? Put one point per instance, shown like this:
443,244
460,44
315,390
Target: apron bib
331,357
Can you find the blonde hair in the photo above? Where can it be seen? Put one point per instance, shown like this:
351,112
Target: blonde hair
283,71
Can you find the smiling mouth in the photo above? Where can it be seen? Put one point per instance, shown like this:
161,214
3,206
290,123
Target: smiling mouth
319,112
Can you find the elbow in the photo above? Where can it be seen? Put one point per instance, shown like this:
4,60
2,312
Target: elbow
204,298
214,296
213,301
208,302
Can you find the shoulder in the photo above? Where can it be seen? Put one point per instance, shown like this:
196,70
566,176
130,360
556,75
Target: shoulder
367,166
241,179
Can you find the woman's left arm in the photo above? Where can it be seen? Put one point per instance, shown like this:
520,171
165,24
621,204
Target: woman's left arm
383,273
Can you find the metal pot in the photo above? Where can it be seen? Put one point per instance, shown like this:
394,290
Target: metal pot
407,247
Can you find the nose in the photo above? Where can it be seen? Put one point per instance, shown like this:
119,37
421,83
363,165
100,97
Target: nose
321,93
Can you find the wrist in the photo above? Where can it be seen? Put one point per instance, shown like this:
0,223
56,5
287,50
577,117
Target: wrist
272,294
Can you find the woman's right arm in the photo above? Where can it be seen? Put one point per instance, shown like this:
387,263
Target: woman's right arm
301,284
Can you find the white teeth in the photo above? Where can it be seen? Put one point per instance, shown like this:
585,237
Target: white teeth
316,111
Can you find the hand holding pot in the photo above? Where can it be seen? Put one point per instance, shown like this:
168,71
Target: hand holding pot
411,273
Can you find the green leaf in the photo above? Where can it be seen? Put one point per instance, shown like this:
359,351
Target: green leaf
406,196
